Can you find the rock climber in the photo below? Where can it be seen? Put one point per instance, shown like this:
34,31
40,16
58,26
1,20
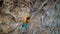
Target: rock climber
25,21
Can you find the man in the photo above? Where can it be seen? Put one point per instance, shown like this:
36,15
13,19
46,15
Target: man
25,22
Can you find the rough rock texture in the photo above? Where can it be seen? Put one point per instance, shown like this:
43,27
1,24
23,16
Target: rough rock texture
45,16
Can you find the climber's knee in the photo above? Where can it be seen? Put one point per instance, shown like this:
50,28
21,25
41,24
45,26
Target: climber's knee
20,28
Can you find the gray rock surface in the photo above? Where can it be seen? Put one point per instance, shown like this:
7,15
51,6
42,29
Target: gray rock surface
45,21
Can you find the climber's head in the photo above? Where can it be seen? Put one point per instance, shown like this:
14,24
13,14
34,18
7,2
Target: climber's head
28,18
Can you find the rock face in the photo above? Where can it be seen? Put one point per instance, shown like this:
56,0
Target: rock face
45,21
6,22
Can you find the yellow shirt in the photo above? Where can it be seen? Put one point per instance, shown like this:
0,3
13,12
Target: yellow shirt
25,17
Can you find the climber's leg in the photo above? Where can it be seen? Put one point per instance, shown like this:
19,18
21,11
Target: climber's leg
20,28
26,26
